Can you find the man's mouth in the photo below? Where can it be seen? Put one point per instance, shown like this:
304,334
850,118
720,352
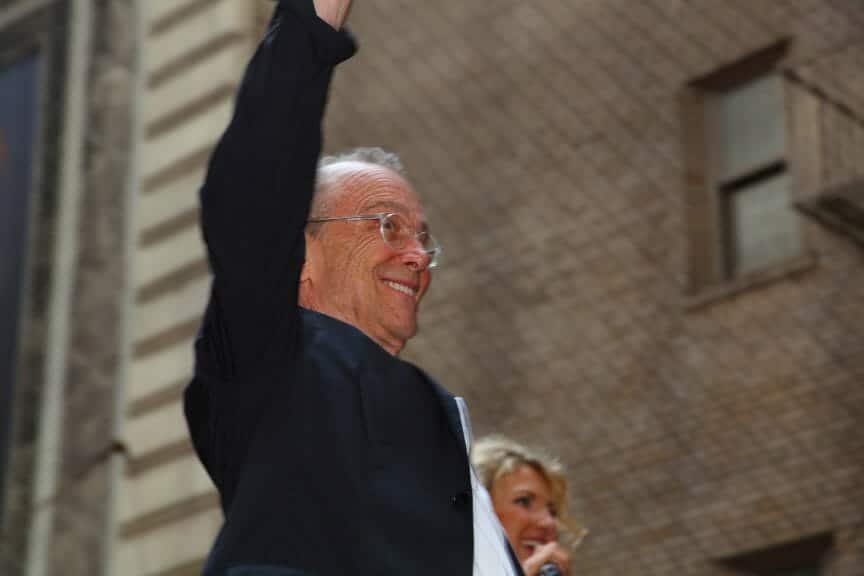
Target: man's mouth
407,290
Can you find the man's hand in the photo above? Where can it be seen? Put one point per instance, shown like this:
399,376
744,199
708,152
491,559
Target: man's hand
334,12
549,552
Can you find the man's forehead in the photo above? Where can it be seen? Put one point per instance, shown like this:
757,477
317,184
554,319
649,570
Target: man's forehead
373,188
349,172
378,205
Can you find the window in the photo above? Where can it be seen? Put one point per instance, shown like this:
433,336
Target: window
740,214
746,153
800,558
19,99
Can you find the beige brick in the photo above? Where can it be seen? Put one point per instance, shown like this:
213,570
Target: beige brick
169,547
162,8
165,257
219,18
173,199
163,486
155,429
153,373
201,131
221,68
176,307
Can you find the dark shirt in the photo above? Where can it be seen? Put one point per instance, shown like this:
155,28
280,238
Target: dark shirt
331,456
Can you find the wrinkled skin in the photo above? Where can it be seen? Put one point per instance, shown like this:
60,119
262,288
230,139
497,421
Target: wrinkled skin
350,273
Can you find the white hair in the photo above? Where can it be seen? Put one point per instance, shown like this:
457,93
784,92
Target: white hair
322,200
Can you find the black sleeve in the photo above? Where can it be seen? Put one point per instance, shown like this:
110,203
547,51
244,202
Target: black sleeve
254,204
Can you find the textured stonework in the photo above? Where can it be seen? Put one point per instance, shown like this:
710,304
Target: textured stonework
79,507
545,139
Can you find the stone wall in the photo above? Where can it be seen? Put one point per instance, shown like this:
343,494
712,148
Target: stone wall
77,508
80,514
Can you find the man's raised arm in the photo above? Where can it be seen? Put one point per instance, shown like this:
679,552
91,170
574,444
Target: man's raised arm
254,205
334,12
261,176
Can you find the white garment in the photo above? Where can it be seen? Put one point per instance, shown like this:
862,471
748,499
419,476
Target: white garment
490,543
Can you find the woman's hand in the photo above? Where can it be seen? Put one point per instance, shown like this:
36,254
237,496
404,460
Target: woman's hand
333,12
544,554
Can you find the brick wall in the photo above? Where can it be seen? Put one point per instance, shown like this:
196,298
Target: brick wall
545,139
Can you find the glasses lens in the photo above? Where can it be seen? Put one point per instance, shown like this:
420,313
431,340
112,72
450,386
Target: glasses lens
431,247
397,233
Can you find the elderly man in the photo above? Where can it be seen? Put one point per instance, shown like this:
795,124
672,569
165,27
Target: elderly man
331,455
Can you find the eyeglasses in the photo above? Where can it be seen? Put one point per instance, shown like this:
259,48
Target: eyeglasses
396,232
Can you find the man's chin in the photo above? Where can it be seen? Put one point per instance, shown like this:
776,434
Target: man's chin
409,332
404,331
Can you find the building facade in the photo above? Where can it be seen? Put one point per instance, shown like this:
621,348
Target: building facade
64,68
651,215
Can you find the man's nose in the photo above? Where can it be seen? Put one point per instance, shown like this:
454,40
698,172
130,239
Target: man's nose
415,257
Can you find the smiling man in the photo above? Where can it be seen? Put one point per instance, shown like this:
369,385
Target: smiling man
331,455
369,269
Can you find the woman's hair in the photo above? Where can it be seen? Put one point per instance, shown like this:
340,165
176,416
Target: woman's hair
497,456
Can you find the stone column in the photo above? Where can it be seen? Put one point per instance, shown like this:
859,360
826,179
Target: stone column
79,527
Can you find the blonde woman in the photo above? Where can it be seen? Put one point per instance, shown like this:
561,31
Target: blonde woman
529,494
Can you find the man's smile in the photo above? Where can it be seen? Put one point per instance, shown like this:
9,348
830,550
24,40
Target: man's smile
403,288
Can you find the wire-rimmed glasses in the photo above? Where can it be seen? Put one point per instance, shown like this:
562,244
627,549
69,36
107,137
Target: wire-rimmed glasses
396,232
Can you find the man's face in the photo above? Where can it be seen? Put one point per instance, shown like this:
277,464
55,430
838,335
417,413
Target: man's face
352,274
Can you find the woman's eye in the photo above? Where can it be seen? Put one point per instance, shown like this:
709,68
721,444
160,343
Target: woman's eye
523,501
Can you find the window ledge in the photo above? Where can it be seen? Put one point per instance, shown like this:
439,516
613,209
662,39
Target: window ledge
730,288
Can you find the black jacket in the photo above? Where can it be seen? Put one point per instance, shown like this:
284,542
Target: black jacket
331,456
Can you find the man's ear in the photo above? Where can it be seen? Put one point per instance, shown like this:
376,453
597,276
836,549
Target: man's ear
313,253
305,289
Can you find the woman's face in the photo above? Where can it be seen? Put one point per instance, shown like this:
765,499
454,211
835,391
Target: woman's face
523,503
